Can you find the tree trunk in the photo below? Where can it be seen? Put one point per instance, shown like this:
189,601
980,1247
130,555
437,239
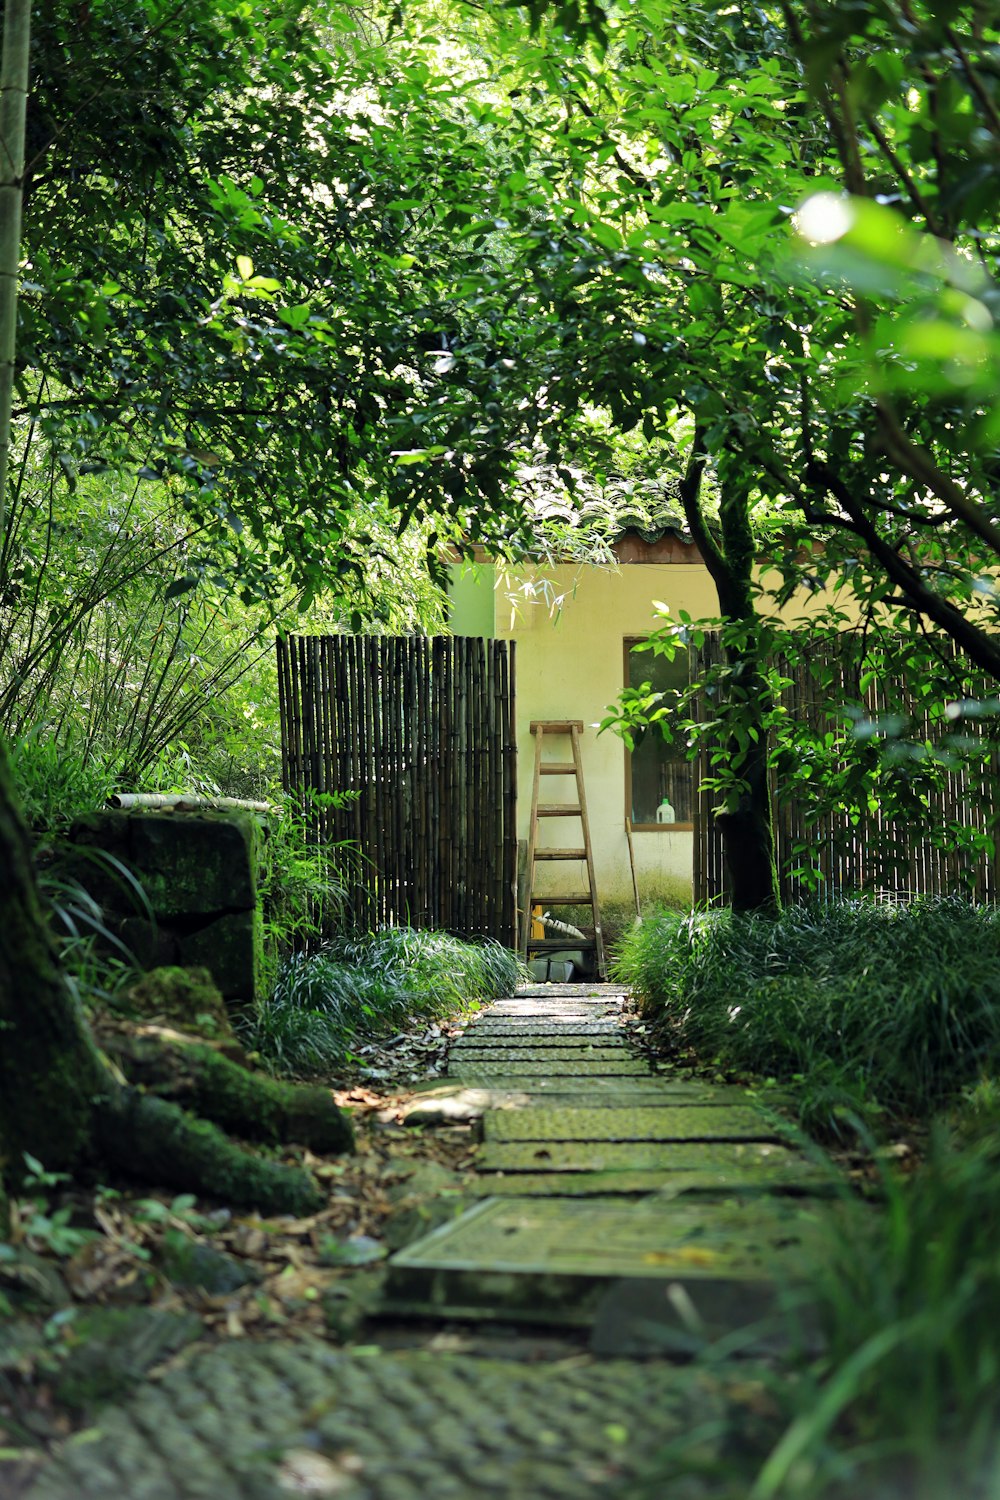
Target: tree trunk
50,1071
59,1099
748,827
13,102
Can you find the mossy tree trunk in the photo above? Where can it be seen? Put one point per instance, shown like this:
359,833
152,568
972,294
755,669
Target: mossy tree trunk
50,1072
747,823
14,60
59,1099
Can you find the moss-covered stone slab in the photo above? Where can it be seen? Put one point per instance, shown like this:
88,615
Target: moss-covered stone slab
543,1031
526,1053
617,1067
639,1184
555,1260
571,991
236,1421
724,1162
515,1010
688,1122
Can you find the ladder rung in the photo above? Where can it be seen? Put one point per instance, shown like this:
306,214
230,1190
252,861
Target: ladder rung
557,768
566,944
557,810
560,854
548,900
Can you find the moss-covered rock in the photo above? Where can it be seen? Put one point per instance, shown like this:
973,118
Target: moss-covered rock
189,998
107,1349
251,1105
191,1263
157,1141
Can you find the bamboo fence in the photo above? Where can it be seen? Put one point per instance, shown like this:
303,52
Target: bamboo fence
417,737
868,849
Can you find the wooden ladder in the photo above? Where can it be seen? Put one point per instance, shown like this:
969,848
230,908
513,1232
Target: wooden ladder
568,729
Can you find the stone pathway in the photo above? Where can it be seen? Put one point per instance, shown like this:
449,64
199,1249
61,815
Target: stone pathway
628,1211
658,1213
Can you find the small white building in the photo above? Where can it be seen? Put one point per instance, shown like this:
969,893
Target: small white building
574,624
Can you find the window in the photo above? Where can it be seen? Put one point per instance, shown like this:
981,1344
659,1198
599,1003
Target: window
659,782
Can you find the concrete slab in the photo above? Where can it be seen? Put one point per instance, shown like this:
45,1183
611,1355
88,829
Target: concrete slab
619,1066
809,1182
599,1093
693,1122
524,1052
571,991
557,1260
723,1161
543,1030
554,1011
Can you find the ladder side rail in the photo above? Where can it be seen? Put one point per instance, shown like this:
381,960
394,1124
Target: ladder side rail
588,851
529,888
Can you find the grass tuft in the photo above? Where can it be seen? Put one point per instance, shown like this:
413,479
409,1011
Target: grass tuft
358,989
865,1008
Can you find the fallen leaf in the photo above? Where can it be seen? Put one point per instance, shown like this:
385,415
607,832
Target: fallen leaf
303,1472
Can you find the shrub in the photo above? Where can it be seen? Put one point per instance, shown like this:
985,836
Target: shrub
863,1006
905,1401
358,989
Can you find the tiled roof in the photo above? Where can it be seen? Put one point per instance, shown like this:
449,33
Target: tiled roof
567,501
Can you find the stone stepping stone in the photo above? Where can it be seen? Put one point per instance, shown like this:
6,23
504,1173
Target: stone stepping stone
542,1031
639,1184
571,991
688,1122
562,1260
534,1010
723,1161
518,1053
456,1104
620,1066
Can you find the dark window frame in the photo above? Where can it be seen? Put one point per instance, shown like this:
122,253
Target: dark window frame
628,642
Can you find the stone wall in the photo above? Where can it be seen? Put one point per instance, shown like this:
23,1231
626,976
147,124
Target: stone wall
198,876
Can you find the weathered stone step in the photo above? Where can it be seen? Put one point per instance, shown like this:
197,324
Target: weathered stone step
588,1009
619,1066
689,1122
639,1184
515,1026
584,1051
457,1102
572,991
561,1261
727,1161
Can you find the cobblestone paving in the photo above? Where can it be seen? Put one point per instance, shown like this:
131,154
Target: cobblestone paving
255,1421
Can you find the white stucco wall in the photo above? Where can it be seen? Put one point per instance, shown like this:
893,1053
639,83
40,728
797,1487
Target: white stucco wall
570,623
570,666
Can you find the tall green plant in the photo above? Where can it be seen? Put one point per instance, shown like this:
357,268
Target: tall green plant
14,62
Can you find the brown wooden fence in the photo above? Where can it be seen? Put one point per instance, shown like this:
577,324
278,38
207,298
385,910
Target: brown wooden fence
870,851
421,732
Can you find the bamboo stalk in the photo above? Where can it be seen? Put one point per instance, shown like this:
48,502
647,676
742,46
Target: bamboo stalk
14,61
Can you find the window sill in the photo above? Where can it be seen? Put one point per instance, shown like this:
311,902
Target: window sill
662,827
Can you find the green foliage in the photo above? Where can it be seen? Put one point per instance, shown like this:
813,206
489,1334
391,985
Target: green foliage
863,746
354,990
906,1399
57,784
44,1226
302,884
865,1009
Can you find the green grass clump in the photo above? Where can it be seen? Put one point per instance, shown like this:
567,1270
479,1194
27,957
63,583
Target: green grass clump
904,1404
863,1007
356,990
